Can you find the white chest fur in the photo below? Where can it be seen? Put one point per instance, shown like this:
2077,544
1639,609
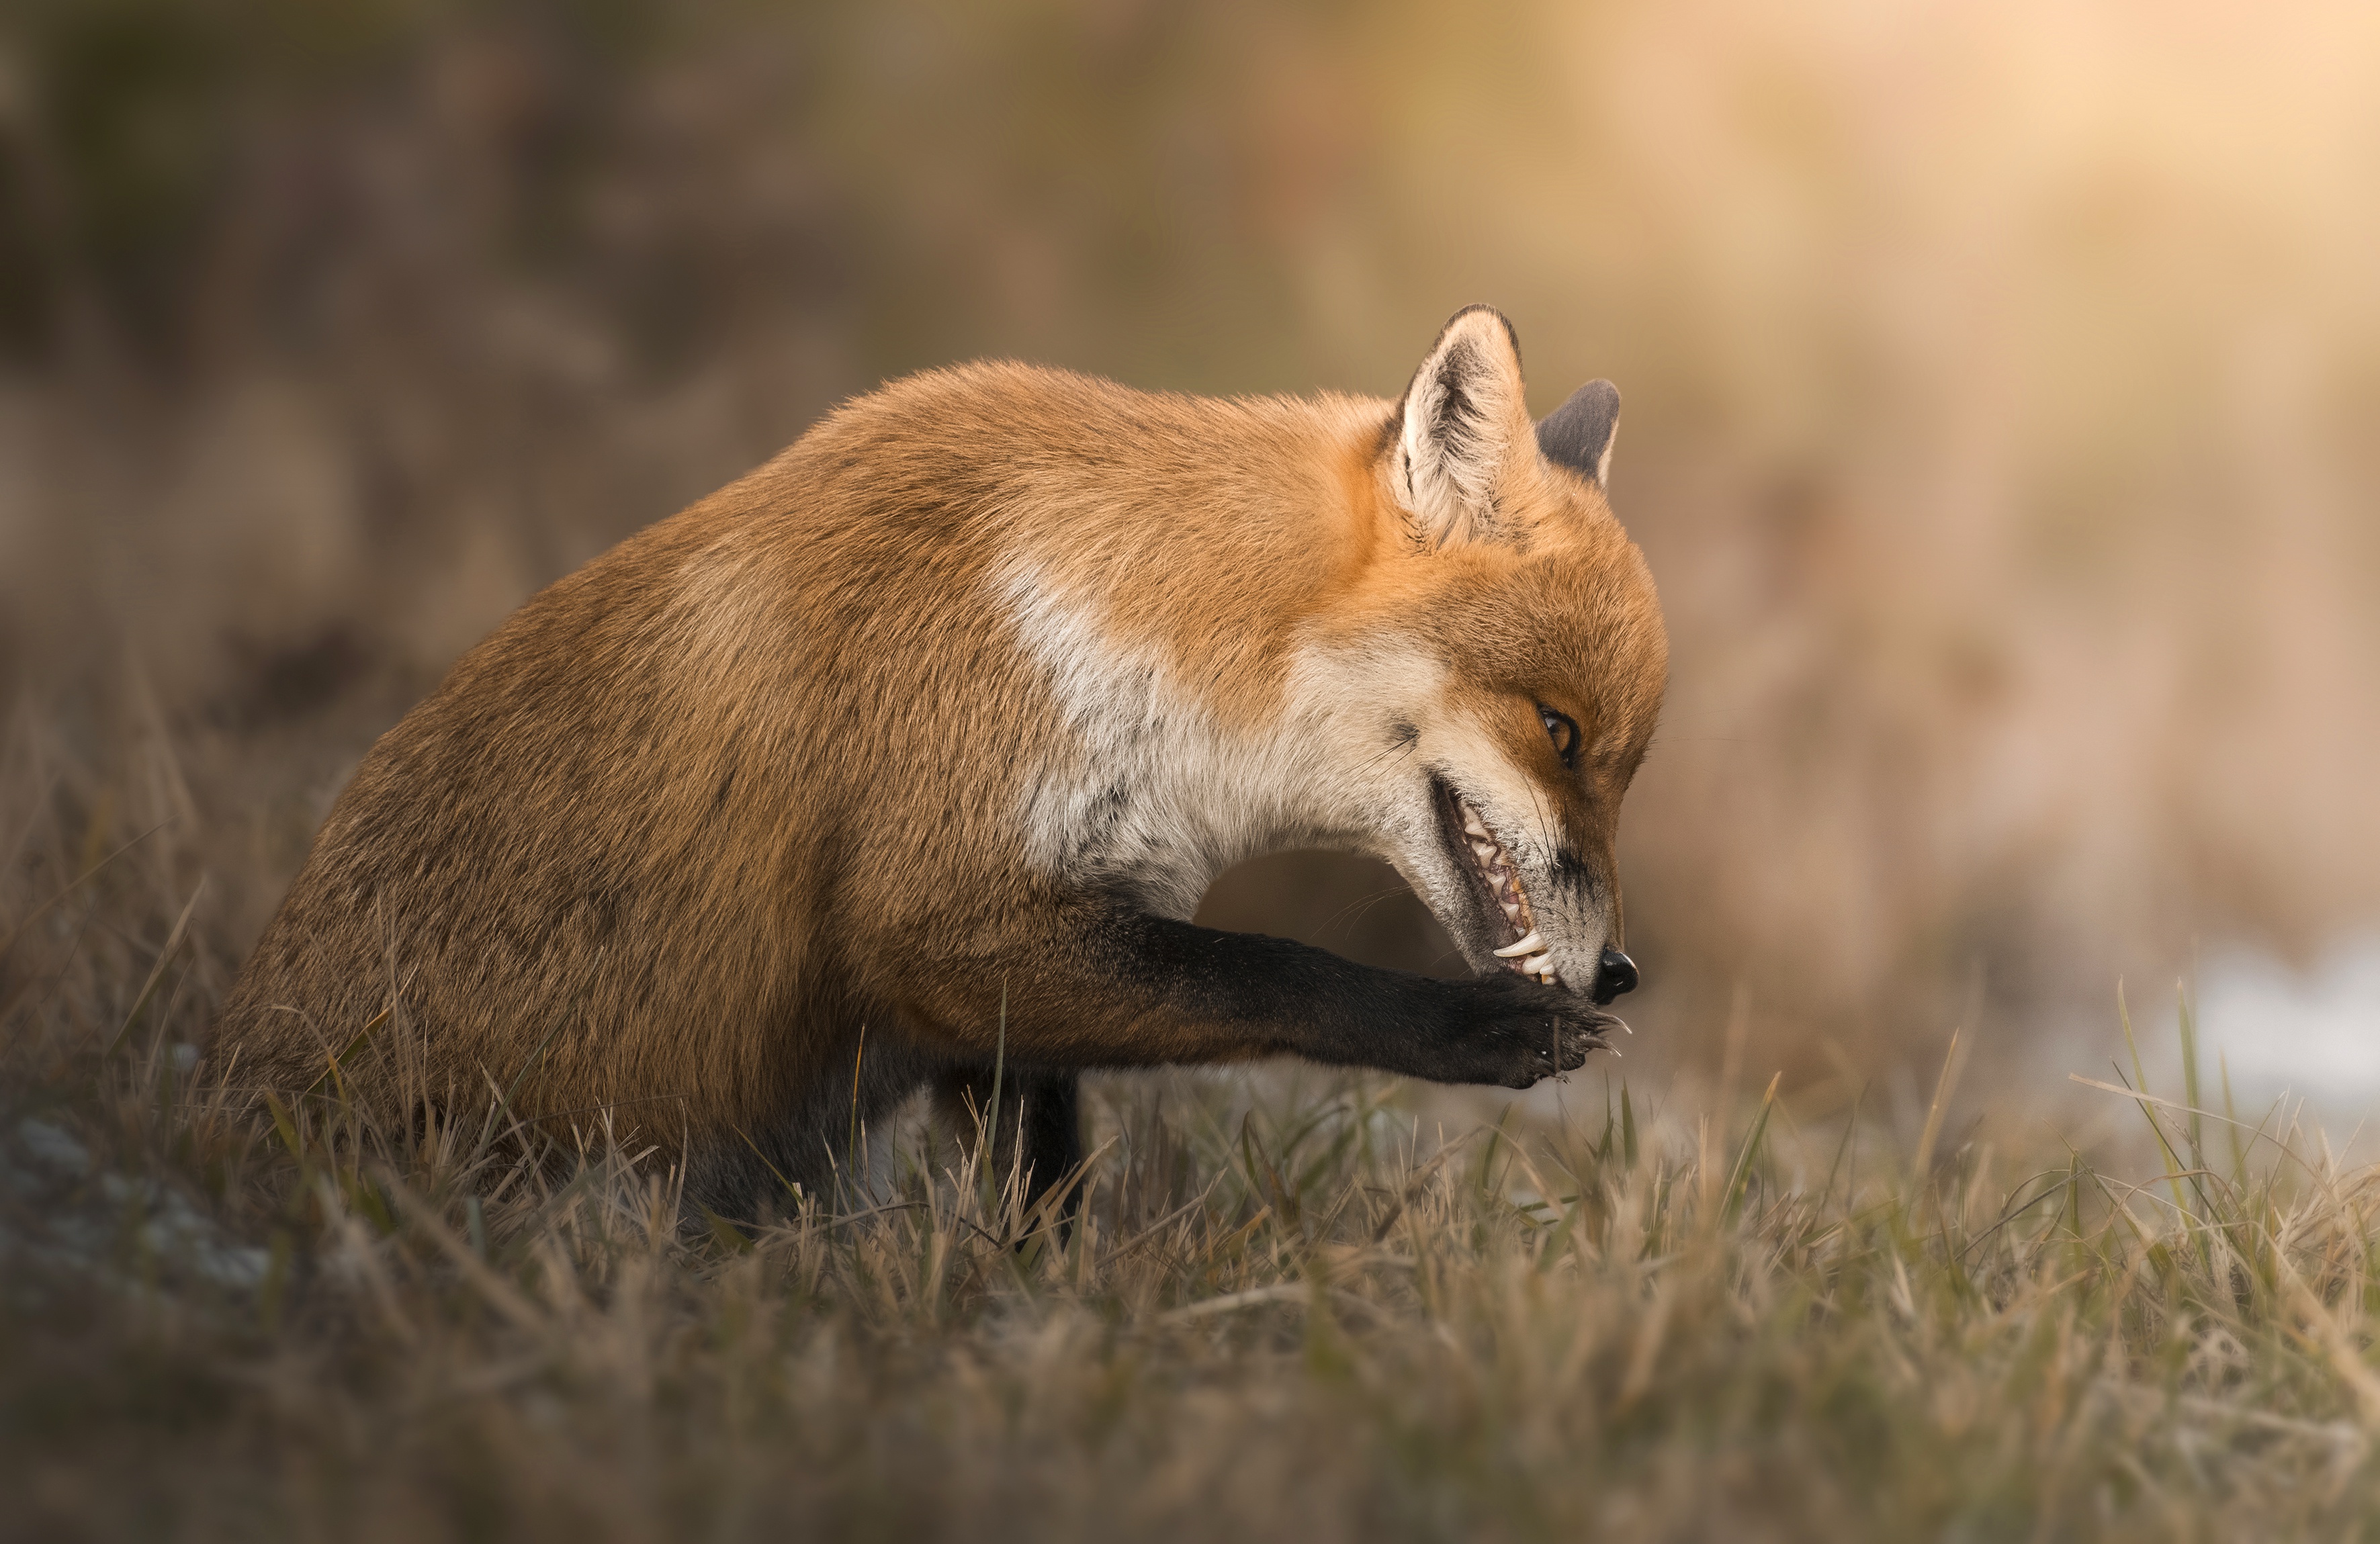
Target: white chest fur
1155,794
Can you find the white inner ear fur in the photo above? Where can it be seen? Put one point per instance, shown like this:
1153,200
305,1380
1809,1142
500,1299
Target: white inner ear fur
1464,416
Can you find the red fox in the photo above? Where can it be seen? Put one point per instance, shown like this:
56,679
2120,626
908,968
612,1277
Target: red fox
916,747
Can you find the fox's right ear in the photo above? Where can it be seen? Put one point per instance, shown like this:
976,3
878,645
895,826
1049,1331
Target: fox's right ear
1462,422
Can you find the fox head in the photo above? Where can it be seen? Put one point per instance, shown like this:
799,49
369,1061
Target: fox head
1504,657
1416,632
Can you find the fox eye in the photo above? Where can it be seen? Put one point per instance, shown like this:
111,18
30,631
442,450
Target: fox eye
1561,732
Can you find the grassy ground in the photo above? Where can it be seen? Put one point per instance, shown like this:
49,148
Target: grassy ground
1293,1308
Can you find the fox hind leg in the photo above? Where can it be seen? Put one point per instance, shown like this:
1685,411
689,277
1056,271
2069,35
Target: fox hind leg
1036,1124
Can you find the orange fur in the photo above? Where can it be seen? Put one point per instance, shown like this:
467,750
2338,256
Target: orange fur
761,775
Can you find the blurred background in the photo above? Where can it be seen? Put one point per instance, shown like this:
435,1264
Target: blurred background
2001,391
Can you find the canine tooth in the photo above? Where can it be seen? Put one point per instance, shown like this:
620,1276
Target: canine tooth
1541,965
1530,944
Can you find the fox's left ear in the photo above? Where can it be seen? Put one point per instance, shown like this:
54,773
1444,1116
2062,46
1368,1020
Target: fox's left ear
1463,423
1579,433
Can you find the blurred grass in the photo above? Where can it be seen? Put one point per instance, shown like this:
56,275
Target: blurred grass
1296,1306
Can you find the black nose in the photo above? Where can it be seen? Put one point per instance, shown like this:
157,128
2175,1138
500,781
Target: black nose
1617,978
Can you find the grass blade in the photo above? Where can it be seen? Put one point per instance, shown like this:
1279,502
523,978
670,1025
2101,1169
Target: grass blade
1741,1176
157,971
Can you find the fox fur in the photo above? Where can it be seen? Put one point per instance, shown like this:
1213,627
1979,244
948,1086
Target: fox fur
918,746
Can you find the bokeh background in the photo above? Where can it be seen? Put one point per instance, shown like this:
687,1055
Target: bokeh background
2001,390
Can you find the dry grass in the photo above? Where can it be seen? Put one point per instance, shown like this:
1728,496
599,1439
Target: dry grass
1294,1308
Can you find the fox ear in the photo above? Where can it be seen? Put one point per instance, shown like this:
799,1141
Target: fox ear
1463,419
1579,433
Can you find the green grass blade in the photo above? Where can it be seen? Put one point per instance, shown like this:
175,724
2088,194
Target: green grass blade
2189,1074
1741,1175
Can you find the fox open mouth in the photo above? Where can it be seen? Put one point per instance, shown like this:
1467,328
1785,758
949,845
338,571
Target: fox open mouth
1524,952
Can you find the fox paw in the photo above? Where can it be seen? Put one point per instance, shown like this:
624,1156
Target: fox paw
1515,1034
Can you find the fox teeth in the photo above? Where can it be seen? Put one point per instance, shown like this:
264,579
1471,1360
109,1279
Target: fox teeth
1496,867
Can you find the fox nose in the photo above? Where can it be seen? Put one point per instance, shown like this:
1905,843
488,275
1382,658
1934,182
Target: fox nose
1616,977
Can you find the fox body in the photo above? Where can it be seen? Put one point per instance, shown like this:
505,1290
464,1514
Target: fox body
917,746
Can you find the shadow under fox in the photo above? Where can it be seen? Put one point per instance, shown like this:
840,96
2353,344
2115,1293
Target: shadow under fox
963,699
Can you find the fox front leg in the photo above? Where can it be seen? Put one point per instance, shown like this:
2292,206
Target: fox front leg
1292,998
1113,986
